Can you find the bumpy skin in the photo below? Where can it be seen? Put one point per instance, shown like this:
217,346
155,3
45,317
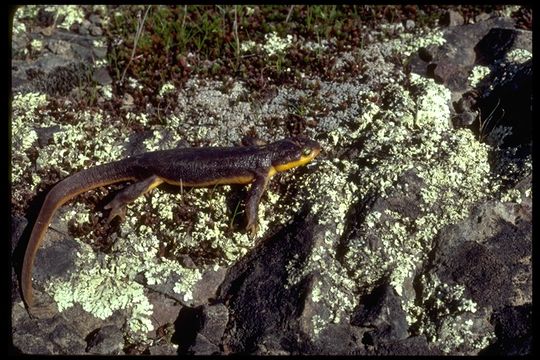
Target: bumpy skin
191,167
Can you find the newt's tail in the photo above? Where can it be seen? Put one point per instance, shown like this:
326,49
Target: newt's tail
62,192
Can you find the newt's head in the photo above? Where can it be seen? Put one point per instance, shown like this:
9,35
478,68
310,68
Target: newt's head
292,152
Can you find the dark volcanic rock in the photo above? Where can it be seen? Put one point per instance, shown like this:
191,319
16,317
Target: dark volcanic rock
417,345
382,312
451,18
494,45
261,308
506,95
487,253
513,326
108,340
457,55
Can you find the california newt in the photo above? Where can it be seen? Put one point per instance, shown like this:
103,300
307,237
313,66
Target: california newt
253,164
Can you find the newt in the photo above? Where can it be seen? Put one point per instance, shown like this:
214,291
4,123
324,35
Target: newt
255,163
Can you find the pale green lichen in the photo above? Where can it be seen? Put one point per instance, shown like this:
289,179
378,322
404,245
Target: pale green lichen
37,45
166,88
248,46
511,195
276,45
454,170
103,284
134,83
409,42
67,15
508,10
519,56
478,73
24,109
106,91
456,317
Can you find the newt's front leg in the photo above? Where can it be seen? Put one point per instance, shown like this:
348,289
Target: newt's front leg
252,202
130,193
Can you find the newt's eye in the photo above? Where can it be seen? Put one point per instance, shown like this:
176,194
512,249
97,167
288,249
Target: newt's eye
306,151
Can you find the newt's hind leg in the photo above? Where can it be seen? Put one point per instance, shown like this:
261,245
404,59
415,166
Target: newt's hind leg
130,193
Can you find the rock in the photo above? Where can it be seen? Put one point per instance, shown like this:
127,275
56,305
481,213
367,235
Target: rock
95,30
333,339
425,55
85,323
60,47
381,311
127,100
83,30
486,43
451,18
30,344
18,224
482,17
108,340
47,31
260,306
486,253
46,134
494,45
100,52
448,73
206,288
187,327
456,57
513,326
507,98
101,76
95,19
203,346
416,345
466,110
84,27
55,259
215,319
163,349
165,310
45,18
69,341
